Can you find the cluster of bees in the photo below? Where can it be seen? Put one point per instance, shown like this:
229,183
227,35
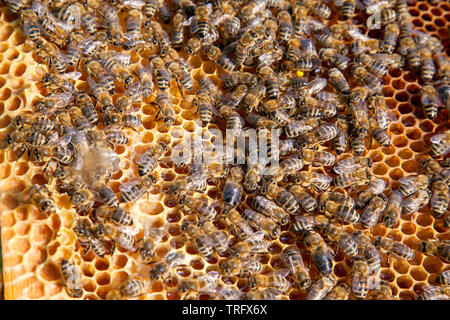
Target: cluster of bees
282,65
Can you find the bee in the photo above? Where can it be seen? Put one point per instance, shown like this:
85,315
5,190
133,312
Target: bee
161,74
171,260
202,241
121,235
83,200
203,210
242,48
87,239
37,123
372,64
17,5
285,26
368,250
284,198
181,76
358,109
436,248
129,289
72,277
114,30
238,226
241,266
270,209
116,215
133,24
250,10
412,53
337,197
329,41
340,142
231,27
41,197
390,37
251,245
261,222
430,101
107,195
146,81
393,60
377,103
317,157
320,9
30,26
340,209
166,109
443,278
411,184
101,92
201,21
313,87
375,187
232,190
177,35
358,177
294,261
53,102
317,136
428,67
434,293
127,120
340,292
332,56
360,280
321,253
266,73
98,75
317,180
323,286
384,292
348,9
112,65
253,97
344,240
306,223
133,190
207,284
397,248
439,198
338,81
148,244
372,211
253,176
150,158
299,127
440,144
306,201
276,281
219,239
366,78
215,54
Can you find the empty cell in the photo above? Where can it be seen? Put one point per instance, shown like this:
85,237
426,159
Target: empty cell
396,128
399,142
432,264
387,275
426,125
405,154
408,228
101,264
393,161
121,261
411,76
418,274
380,170
18,38
13,104
430,28
103,279
388,91
50,272
4,68
209,67
6,32
406,295
405,108
427,17
418,146
379,230
414,12
404,282
395,72
401,266
414,134
11,54
412,88
398,84
19,69
425,234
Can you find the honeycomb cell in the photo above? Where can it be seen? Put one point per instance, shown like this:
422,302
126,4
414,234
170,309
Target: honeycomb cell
392,161
418,146
103,279
418,274
414,134
408,228
406,295
21,245
13,104
432,264
405,154
6,32
410,166
396,174
404,282
50,272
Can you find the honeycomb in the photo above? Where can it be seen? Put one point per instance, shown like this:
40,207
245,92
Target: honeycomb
34,244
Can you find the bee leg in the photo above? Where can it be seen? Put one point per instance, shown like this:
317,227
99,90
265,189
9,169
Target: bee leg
179,87
86,250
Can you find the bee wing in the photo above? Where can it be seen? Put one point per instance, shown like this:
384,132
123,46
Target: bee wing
407,180
133,4
357,35
75,75
128,185
213,275
132,231
437,138
282,272
62,141
258,235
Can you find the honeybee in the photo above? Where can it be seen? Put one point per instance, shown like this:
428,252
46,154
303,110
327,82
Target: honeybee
196,181
306,201
202,241
87,239
270,209
366,78
112,64
118,120
79,121
177,36
285,26
321,253
129,289
306,223
294,261
200,284
397,248
215,54
430,101
251,245
439,198
56,150
166,109
133,190
344,240
317,136
412,53
160,72
181,76
434,293
284,198
37,123
436,248
360,280
368,250
372,211
107,195
338,81
276,281
219,239
340,209
427,65
390,37
53,102
203,210
261,222
132,94
148,244
329,41
258,121
443,278
232,190
150,158
171,260
440,144
241,266
340,142
17,5
104,99
332,56
375,187
314,86
114,30
146,81
72,277
340,292
317,180
317,158
384,292
322,287
299,127
41,197
83,200
121,235
358,177
115,215
411,184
